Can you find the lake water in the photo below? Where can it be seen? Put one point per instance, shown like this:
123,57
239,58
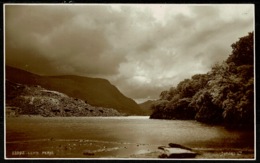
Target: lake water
119,137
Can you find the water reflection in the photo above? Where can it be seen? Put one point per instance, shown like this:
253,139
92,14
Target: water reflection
135,130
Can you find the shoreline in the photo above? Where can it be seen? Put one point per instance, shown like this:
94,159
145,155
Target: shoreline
114,137
96,149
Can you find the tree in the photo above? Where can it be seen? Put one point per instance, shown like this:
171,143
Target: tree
225,95
243,51
165,95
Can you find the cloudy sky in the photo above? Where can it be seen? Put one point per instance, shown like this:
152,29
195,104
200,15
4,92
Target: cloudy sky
141,49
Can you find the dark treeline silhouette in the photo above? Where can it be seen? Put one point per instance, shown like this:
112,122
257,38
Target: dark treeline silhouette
224,95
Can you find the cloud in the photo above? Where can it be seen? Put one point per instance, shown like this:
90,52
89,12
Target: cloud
142,49
68,45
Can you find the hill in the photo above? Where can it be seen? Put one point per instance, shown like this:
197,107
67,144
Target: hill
35,100
147,106
95,91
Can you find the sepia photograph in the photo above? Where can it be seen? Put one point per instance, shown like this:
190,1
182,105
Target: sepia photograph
129,81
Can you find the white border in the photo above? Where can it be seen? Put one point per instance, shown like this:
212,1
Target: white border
4,114
254,86
104,4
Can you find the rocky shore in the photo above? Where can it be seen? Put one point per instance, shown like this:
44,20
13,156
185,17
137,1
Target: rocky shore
35,100
94,149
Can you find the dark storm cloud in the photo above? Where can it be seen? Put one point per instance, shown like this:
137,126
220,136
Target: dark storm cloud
64,39
142,49
183,46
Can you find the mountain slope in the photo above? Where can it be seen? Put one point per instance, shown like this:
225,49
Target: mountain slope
35,100
146,106
96,91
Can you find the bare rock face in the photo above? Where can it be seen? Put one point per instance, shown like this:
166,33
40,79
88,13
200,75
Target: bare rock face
35,100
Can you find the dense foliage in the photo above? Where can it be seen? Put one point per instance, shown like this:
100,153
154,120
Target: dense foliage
225,95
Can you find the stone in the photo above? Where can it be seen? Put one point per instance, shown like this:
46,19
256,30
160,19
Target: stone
177,151
89,153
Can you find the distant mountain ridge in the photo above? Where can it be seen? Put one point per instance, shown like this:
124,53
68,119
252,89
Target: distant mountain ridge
95,91
147,106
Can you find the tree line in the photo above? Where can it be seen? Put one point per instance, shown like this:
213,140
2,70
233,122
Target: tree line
224,95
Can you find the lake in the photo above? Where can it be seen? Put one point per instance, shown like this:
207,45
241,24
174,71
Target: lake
134,137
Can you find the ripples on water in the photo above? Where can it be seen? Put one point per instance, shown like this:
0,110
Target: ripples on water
132,129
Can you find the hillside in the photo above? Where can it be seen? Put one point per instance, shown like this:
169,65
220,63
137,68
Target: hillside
146,106
224,95
95,91
35,100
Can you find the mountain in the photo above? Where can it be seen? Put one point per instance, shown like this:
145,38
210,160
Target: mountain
35,100
146,106
95,91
